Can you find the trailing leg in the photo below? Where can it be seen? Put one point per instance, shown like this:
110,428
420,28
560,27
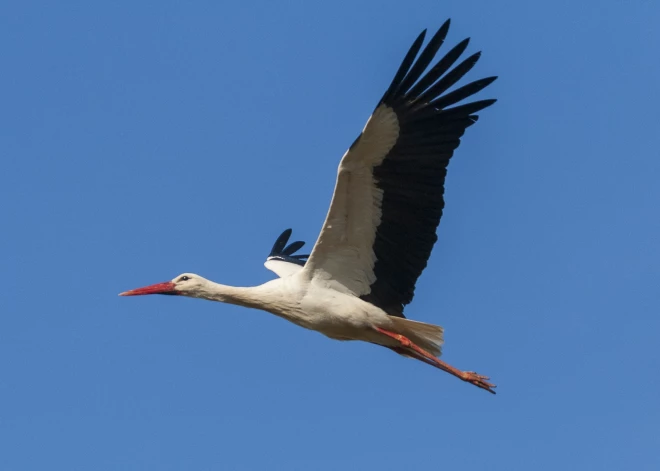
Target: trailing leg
408,348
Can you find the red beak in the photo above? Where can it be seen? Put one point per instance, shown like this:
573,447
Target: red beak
159,288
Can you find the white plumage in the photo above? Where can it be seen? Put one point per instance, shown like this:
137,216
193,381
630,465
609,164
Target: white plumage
343,255
381,225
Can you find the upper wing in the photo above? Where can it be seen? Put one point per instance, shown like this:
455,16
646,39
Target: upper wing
282,260
388,199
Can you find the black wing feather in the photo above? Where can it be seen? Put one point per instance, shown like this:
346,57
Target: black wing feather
282,251
450,79
404,67
425,57
280,242
293,247
439,69
412,175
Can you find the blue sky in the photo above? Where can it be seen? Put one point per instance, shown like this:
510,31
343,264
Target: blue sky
140,140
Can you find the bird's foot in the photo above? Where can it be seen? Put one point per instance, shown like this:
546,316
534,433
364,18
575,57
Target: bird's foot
478,380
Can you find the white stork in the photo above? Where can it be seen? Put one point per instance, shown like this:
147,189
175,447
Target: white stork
381,225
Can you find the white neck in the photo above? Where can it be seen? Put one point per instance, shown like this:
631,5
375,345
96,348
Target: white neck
241,296
268,296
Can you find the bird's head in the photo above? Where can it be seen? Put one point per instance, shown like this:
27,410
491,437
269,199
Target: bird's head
186,284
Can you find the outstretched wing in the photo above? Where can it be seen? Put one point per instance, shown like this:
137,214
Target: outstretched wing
282,259
388,199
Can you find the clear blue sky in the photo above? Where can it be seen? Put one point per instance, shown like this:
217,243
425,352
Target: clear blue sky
140,140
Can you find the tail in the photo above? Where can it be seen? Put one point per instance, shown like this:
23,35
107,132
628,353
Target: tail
427,336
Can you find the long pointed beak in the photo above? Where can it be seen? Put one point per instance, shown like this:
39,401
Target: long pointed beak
166,287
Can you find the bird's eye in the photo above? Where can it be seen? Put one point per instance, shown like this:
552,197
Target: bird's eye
184,278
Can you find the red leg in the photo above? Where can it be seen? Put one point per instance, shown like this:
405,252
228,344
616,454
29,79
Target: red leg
410,349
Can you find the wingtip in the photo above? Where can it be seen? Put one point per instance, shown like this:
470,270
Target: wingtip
281,241
445,25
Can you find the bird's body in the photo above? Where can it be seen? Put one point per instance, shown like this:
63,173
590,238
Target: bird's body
381,225
316,307
306,303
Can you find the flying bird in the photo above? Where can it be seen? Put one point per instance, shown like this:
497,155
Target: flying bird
381,226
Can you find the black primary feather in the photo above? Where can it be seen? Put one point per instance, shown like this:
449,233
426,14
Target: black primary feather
412,175
283,252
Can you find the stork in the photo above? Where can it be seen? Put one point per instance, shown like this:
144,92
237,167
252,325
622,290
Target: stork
381,225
